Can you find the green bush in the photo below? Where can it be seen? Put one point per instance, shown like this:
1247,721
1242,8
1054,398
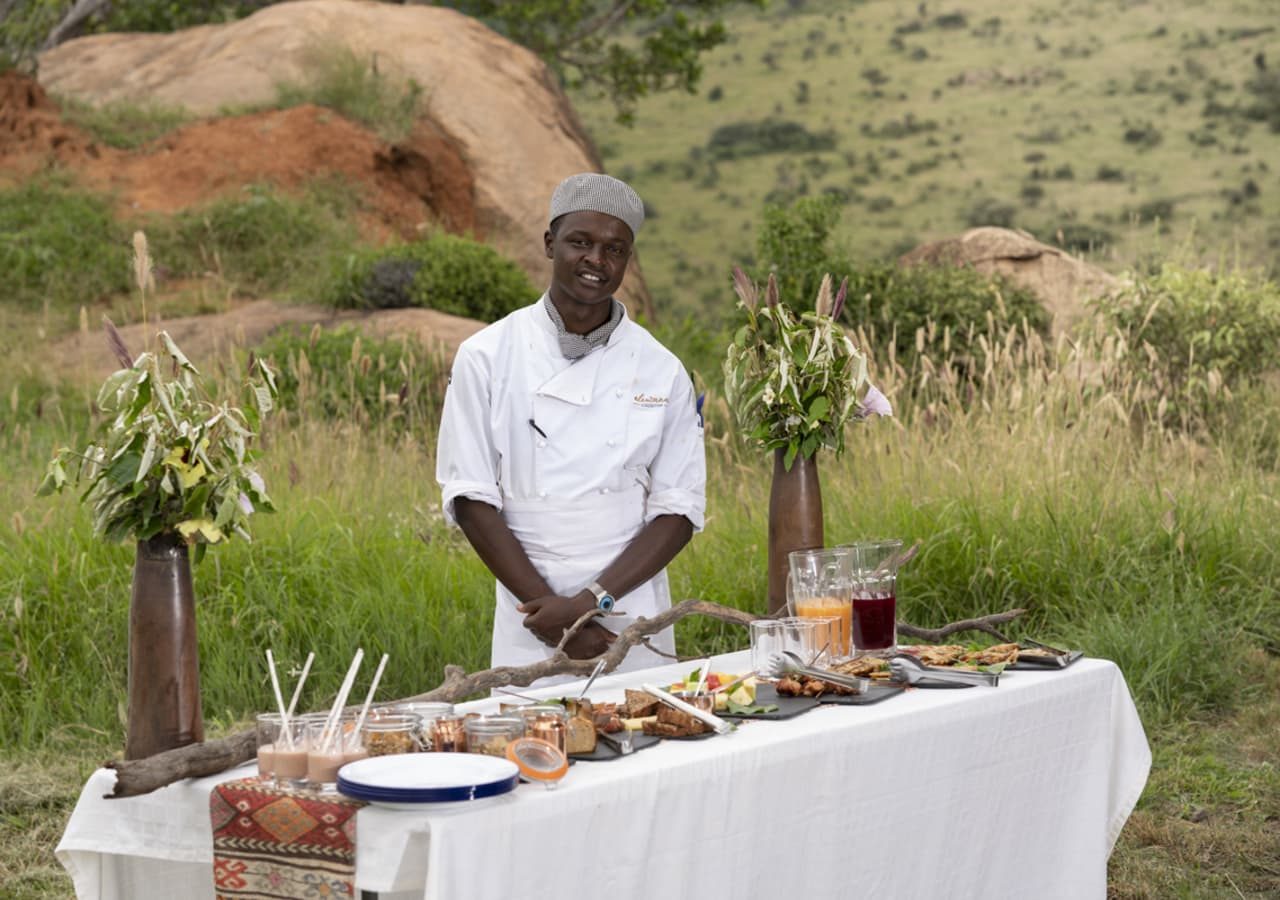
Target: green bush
260,240
739,139
344,374
1192,332
890,301
893,303
794,243
445,272
60,245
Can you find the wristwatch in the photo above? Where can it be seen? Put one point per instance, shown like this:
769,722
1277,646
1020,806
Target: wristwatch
604,600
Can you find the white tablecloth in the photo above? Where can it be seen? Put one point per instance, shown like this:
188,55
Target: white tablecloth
1015,791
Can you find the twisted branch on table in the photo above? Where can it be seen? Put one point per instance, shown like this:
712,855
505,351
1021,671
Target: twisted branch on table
985,624
142,776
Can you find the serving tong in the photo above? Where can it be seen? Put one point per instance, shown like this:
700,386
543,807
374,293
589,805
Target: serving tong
1057,656
785,662
908,669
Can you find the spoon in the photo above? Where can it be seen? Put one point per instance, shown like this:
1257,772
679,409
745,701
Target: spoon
785,661
909,669
594,672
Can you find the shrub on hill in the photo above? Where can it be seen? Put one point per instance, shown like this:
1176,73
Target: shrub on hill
1191,333
344,374
893,303
335,76
122,123
59,244
739,139
444,272
890,302
260,240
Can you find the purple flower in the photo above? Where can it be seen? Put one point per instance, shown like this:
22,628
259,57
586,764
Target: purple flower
874,403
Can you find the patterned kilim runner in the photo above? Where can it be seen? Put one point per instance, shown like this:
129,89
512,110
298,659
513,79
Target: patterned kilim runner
274,844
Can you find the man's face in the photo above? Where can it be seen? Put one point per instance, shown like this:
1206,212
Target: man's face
589,253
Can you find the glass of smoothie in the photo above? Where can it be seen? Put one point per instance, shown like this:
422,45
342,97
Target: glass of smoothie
268,728
289,755
327,753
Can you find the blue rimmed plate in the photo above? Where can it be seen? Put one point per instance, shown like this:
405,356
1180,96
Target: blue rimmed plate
414,778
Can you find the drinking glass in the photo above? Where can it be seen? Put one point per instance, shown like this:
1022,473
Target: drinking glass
802,636
868,556
290,754
818,587
875,602
327,754
766,640
268,729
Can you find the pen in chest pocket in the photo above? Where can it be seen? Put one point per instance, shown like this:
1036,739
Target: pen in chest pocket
535,427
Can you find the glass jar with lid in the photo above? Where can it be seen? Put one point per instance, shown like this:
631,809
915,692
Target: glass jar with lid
389,733
427,713
491,734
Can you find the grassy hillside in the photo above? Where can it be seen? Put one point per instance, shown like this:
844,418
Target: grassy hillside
1115,128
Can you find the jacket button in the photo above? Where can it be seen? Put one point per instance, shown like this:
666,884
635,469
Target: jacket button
542,443
604,490
617,392
542,495
611,443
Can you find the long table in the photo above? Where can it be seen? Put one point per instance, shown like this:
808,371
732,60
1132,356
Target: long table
1020,790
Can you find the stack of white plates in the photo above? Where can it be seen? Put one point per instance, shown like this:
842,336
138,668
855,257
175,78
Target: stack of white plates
411,779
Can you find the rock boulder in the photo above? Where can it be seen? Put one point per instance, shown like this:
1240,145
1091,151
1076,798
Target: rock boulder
1063,282
493,100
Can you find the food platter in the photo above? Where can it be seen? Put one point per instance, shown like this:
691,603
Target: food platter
876,692
604,753
787,707
1044,659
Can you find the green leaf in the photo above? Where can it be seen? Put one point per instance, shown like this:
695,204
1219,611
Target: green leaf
124,469
226,511
790,456
178,356
818,408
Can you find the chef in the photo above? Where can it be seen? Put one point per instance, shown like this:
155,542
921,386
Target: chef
571,451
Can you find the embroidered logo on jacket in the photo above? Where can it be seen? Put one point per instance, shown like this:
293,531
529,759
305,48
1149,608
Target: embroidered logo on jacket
648,400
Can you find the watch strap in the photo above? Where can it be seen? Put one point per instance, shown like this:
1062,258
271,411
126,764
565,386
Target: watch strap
604,599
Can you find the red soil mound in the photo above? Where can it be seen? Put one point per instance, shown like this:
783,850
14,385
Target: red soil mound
403,187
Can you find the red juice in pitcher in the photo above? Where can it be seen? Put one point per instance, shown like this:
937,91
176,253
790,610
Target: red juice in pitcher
874,624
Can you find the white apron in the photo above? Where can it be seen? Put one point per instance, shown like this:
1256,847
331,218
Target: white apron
570,543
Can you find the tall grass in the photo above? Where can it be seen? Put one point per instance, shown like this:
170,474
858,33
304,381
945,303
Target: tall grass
123,124
368,89
1022,472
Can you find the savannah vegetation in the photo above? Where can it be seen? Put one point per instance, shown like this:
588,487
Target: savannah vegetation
1120,483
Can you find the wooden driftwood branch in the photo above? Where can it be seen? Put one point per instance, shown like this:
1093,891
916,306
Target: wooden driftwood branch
142,776
985,624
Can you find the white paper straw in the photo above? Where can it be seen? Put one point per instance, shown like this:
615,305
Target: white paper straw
377,676
275,687
335,714
302,679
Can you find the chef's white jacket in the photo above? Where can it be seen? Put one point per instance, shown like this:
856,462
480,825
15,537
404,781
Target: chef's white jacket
577,455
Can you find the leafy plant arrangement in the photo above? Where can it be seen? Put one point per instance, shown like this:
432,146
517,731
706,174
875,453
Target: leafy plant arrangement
792,380
170,458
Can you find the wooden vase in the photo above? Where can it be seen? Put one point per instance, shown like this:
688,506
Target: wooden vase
164,669
795,519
